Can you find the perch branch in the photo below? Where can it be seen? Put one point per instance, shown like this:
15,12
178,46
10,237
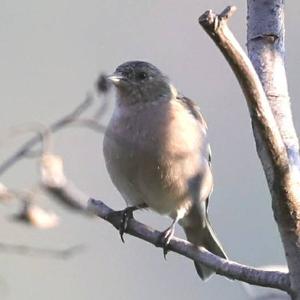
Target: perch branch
67,193
230,269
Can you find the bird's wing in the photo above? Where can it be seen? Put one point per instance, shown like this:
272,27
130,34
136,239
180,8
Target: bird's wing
193,109
196,113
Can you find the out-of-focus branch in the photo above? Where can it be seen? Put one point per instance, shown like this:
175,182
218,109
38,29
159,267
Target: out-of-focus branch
72,118
36,216
54,181
61,123
93,124
38,129
34,251
222,266
52,176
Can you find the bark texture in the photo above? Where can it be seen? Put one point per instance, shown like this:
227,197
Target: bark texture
265,43
265,89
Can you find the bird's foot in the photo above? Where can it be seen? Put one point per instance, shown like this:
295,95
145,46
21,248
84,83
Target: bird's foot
165,239
127,215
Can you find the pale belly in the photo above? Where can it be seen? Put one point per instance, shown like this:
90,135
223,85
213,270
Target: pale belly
157,163
142,178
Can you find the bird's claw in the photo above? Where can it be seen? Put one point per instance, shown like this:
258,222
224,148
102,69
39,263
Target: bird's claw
127,214
165,239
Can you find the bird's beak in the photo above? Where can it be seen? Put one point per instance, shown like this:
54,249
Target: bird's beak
115,78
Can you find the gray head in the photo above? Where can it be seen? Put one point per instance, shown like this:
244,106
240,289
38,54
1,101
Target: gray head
139,81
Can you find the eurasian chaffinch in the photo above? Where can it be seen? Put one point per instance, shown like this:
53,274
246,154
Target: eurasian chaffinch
157,154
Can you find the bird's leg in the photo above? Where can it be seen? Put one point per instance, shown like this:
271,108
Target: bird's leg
166,237
127,214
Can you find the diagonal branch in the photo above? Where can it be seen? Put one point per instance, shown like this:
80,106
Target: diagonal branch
70,195
275,147
259,108
59,124
230,269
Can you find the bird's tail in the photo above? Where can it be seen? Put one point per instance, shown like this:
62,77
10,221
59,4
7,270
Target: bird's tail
204,237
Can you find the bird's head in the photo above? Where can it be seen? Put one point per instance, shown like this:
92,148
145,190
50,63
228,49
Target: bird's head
140,82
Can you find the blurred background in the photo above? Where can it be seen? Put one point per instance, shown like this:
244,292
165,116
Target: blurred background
51,55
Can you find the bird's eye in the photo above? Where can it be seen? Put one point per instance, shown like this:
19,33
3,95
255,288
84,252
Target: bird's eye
141,76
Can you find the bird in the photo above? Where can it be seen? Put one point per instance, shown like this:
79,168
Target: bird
158,157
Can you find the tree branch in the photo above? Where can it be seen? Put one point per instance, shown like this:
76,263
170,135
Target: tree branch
259,108
265,44
54,180
230,269
71,118
34,251
264,122
275,139
61,123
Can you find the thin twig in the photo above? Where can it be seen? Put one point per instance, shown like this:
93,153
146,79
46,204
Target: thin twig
61,123
90,123
34,251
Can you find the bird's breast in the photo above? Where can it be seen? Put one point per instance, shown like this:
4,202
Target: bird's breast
162,128
152,152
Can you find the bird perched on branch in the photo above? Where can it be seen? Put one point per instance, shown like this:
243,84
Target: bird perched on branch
157,155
